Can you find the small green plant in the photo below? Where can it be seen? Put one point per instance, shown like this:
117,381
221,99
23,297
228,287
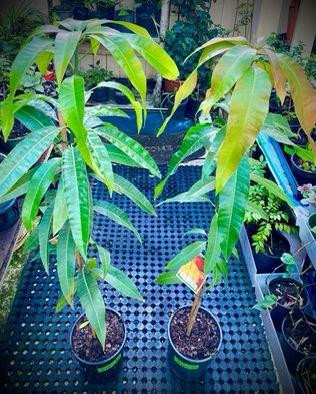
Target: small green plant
272,215
32,81
95,75
306,157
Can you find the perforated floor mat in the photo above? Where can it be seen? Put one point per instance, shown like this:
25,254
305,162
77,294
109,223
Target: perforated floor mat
36,357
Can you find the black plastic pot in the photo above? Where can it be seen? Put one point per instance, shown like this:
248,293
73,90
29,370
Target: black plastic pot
101,371
63,11
292,355
180,111
120,97
81,13
144,18
307,365
184,367
301,175
279,312
105,12
192,107
100,95
312,223
267,263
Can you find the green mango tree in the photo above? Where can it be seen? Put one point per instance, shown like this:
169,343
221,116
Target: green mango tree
58,187
244,76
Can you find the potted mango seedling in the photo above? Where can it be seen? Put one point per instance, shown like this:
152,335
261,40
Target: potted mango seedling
58,189
242,76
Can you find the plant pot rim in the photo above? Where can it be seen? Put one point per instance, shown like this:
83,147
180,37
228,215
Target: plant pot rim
293,156
280,278
103,360
191,360
289,342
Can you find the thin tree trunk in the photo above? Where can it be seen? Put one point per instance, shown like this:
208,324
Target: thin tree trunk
164,24
194,310
63,132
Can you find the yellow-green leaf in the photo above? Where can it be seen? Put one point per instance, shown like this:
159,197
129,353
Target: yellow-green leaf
278,75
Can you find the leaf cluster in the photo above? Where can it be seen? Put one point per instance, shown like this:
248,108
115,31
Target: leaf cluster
95,74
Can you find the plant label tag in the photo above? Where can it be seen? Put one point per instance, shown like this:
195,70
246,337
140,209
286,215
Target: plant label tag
192,274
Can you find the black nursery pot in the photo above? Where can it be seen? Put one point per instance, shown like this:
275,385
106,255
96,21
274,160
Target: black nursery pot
105,369
267,263
292,355
100,95
301,175
184,367
279,312
307,367
312,223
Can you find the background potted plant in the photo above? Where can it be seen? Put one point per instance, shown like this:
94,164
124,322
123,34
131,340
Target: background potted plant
147,15
92,77
306,374
73,149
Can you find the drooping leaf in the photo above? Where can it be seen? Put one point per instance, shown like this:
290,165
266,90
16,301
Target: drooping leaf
248,109
194,139
20,187
113,212
24,60
213,250
43,59
277,127
141,31
33,118
155,55
24,155
66,263
230,68
197,231
271,186
123,186
38,186
92,303
232,206
101,159
95,45
105,259
127,60
196,193
168,278
78,198
122,283
302,92
60,214
130,96
186,254
44,230
129,146
278,75
183,92
66,43
104,110
119,157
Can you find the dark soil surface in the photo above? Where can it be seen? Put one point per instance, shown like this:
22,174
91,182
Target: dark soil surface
300,334
289,293
87,346
18,130
204,338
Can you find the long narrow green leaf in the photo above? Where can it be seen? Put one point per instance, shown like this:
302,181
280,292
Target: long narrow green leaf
248,109
43,59
78,198
196,193
24,60
33,118
38,186
66,43
122,283
92,303
24,155
230,68
129,146
119,157
271,186
213,250
20,187
195,138
101,159
130,96
127,60
232,206
105,259
113,212
186,254
60,214
66,263
44,230
168,278
123,186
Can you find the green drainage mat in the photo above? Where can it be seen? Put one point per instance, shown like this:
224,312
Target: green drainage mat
36,357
